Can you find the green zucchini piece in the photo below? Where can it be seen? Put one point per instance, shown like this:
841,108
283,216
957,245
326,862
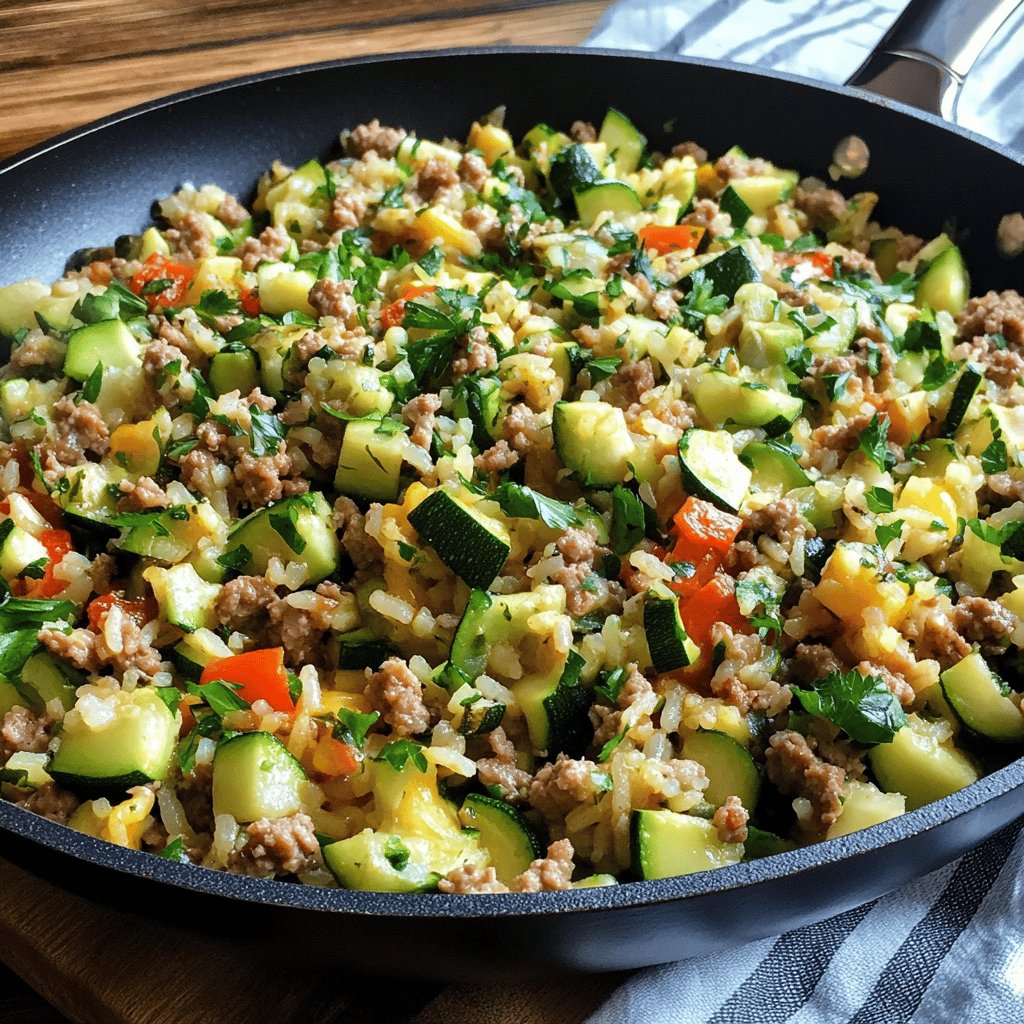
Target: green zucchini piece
255,776
945,284
370,461
920,766
134,748
377,862
234,371
625,143
572,168
665,844
733,204
772,469
45,678
614,197
965,390
296,529
504,834
667,641
730,270
974,695
185,600
730,768
764,844
595,882
760,192
465,540
865,805
884,252
18,549
479,400
555,706
712,470
721,398
108,342
592,439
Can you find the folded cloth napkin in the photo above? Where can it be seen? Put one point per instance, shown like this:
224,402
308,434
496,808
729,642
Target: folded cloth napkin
950,947
822,39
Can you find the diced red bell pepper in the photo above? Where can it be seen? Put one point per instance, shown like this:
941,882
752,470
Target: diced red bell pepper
260,674
662,239
160,268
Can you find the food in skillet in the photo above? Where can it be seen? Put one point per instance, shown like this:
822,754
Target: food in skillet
491,516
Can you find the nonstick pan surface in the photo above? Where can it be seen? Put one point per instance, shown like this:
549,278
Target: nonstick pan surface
86,187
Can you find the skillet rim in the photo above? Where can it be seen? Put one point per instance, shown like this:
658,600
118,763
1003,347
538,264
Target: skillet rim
25,825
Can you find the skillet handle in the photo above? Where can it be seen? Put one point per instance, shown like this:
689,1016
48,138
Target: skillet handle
923,59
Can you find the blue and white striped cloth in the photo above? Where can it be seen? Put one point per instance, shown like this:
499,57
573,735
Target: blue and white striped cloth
948,949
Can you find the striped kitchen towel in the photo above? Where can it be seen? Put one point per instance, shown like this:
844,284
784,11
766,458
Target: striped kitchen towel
822,39
948,949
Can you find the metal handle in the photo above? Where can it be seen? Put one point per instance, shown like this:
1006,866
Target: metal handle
924,58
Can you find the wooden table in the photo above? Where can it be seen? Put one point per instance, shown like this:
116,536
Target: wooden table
65,62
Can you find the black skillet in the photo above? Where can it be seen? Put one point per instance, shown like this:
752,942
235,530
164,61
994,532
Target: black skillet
95,183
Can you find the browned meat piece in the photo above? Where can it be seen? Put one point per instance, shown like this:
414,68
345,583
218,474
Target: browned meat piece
501,770
549,874
907,247
277,846
473,171
397,694
360,546
810,663
272,244
37,349
585,589
374,137
823,206
744,650
583,131
561,786
633,380
334,298
144,493
496,459
994,313
897,685
266,478
703,213
730,166
231,213
939,639
781,520
522,429
195,791
347,212
418,413
434,177
468,879
841,438
984,622
75,431
300,631
478,354
102,572
731,821
699,153
1003,366
795,769
24,731
243,604
1006,486
52,802
191,237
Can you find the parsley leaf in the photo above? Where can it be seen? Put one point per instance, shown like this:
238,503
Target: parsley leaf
401,751
628,520
396,853
431,260
284,517
611,685
236,559
701,302
993,458
601,369
91,388
220,696
522,502
874,443
835,384
938,372
885,533
393,198
266,433
456,313
175,850
351,726
862,706
611,746
879,499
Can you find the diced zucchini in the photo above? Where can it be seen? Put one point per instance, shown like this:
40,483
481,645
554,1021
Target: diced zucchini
593,441
595,882
19,549
473,545
884,252
733,204
45,679
667,641
945,284
378,862
284,289
773,470
865,805
666,844
88,494
624,142
730,768
613,197
978,701
185,600
234,371
729,271
572,168
711,469
134,747
920,765
108,342
760,192
18,303
555,707
296,529
254,776
721,398
504,834
479,400
764,844
370,461
360,388
964,392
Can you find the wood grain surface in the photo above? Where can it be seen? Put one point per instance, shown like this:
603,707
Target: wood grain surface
67,62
